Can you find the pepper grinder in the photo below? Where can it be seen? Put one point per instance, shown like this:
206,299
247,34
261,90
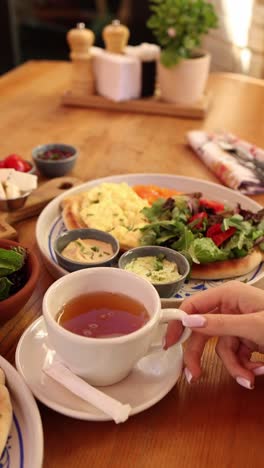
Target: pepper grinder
80,41
115,37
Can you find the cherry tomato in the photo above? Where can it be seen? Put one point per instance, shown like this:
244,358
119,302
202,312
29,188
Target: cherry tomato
27,166
2,163
15,164
13,157
217,235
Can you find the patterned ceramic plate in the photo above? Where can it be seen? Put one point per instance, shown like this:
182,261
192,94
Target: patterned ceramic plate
24,448
50,223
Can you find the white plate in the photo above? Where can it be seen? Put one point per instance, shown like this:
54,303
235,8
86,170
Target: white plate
24,448
50,223
150,380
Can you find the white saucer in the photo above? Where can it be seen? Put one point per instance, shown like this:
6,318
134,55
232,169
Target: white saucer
150,380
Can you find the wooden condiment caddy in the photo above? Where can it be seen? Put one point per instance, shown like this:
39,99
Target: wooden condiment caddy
83,94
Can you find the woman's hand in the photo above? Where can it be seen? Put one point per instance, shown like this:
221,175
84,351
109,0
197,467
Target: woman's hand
235,314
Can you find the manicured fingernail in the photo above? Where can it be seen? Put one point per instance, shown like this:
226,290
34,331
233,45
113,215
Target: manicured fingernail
194,321
259,370
244,383
188,375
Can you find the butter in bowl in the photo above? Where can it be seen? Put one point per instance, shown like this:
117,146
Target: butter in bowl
163,267
85,248
15,188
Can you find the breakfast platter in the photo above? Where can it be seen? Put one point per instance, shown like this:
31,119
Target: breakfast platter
24,447
50,224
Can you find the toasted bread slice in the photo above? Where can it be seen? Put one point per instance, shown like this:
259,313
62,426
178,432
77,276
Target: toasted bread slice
227,268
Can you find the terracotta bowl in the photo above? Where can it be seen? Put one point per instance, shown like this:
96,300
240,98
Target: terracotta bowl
11,306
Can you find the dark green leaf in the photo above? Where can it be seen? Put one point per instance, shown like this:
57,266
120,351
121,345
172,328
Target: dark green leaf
5,286
10,261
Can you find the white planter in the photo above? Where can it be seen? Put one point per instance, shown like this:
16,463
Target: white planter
185,82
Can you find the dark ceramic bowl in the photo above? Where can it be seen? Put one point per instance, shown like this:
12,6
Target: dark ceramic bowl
54,168
165,290
62,241
11,306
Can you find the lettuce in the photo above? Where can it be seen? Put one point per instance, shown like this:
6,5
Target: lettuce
175,208
204,250
238,222
173,234
239,241
169,227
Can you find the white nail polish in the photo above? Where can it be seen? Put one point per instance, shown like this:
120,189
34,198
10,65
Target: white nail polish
259,370
193,321
188,375
244,383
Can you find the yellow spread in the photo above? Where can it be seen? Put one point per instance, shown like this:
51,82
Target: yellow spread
154,269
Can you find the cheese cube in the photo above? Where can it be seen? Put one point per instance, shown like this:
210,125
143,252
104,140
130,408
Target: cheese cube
25,182
12,190
2,192
117,77
5,173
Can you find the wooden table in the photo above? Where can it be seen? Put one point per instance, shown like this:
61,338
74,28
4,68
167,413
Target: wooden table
215,423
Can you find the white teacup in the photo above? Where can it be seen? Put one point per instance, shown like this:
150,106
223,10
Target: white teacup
105,361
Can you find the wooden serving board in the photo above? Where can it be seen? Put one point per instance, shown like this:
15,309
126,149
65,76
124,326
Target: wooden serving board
36,201
153,105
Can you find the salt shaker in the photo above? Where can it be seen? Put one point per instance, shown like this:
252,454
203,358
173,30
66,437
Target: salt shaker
116,37
80,41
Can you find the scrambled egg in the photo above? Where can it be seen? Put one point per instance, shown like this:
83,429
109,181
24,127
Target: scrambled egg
114,208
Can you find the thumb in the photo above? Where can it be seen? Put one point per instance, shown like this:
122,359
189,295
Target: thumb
249,326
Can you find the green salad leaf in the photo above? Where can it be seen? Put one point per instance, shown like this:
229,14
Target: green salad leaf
172,208
165,232
156,212
5,286
10,261
11,270
170,226
204,250
238,222
239,241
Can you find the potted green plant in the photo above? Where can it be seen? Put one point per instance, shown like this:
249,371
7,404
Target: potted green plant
179,26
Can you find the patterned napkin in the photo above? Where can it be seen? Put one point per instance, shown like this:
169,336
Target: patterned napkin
237,163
